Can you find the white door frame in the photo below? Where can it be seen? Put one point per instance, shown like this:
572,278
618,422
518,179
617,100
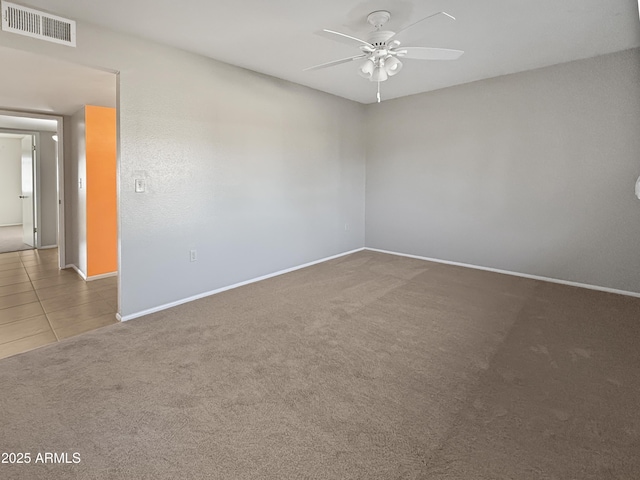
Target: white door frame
60,174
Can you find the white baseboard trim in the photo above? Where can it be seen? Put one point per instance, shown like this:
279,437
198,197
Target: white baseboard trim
78,271
47,247
103,275
92,277
515,274
230,287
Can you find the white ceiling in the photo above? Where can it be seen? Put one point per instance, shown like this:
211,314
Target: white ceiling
277,37
35,82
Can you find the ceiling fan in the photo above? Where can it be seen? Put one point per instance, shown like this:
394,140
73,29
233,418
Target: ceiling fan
382,50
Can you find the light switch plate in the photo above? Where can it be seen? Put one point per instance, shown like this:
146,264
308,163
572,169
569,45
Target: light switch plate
140,185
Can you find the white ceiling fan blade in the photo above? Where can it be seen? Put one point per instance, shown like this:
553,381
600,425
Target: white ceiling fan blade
344,38
428,53
415,30
335,62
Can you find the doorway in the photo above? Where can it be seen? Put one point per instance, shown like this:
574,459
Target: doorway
32,190
42,298
18,228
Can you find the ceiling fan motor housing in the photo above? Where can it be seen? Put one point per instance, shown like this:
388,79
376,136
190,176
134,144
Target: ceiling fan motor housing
379,38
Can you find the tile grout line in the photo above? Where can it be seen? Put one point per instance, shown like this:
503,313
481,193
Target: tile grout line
22,338
39,300
17,304
18,293
19,320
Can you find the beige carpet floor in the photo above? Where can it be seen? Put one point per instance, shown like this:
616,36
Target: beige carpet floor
366,367
11,239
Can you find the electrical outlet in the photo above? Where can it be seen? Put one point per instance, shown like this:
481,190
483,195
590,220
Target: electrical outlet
193,255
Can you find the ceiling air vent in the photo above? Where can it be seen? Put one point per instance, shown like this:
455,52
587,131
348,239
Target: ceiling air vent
37,24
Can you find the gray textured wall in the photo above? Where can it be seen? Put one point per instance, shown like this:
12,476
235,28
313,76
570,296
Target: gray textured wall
256,173
532,173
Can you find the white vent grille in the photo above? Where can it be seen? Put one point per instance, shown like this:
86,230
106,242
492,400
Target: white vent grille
33,23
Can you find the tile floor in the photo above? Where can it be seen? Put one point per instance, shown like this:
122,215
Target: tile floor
40,304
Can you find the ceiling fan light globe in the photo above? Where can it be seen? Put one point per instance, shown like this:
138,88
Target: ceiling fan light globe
392,66
366,69
379,74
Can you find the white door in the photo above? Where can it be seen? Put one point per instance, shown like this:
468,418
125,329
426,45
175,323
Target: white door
28,224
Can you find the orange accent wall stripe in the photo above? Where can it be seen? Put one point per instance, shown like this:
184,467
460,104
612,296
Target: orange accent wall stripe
102,223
